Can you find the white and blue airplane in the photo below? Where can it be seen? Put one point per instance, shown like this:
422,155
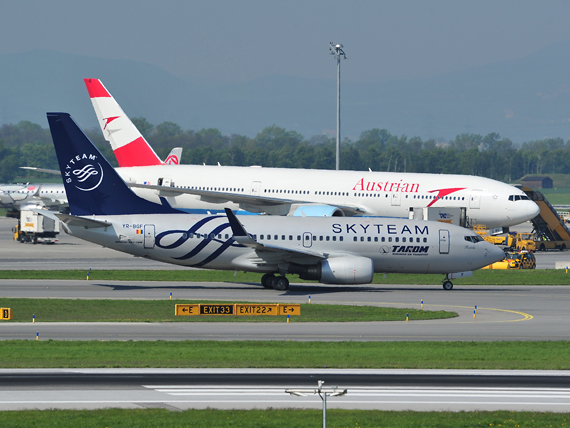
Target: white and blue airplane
335,250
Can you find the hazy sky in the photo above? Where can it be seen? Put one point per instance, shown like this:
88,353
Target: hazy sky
242,40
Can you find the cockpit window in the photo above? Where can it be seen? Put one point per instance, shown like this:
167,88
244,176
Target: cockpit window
519,198
474,238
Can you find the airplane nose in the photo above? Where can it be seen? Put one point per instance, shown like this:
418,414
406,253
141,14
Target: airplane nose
533,209
494,253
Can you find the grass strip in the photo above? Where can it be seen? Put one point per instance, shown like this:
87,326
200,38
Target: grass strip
278,418
284,354
480,277
83,310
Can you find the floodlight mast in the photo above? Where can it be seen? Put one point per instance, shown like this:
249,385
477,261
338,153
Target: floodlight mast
336,49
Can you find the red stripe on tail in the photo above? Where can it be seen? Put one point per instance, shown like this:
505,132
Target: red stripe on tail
96,88
136,153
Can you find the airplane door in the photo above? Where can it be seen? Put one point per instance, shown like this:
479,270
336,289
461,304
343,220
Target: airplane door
307,239
475,199
395,199
443,241
255,186
148,236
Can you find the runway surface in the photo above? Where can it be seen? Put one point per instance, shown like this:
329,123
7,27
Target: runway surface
72,253
503,313
179,389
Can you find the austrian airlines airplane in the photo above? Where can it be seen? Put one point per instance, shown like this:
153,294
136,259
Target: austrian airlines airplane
280,191
331,250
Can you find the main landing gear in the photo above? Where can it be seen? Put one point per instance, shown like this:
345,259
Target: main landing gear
447,284
276,282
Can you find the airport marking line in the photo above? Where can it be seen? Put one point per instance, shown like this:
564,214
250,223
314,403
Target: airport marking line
525,316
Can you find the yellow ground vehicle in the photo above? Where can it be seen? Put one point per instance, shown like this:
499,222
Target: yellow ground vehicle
521,241
514,240
515,260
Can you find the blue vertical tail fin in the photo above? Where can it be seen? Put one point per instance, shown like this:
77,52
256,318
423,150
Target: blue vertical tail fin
92,185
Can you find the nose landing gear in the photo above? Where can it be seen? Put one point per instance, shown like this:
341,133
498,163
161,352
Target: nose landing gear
447,284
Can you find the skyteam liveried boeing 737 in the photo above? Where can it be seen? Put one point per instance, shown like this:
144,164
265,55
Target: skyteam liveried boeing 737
282,191
335,250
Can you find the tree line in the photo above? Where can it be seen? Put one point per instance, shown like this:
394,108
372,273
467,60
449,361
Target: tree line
28,144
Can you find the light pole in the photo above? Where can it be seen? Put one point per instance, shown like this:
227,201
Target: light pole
323,393
338,53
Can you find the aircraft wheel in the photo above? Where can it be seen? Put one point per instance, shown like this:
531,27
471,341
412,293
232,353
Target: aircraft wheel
563,247
447,285
542,247
268,280
281,283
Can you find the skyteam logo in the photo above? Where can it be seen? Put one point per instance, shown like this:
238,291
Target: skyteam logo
84,172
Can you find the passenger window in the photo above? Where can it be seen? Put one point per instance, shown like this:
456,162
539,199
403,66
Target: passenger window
328,238
334,238
355,239
320,238
269,237
340,238
362,239
276,237
383,239
389,239
425,239
403,239
298,237
260,236
375,239
397,239
290,237
369,239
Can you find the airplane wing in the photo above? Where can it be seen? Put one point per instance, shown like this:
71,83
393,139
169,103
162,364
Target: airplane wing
276,252
49,171
252,200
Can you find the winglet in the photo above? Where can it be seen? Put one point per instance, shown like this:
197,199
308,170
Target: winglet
240,234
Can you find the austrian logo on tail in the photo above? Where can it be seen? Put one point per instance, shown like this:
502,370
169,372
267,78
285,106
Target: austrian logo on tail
108,120
84,172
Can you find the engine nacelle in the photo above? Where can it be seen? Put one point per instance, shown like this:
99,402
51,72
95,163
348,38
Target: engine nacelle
337,270
318,211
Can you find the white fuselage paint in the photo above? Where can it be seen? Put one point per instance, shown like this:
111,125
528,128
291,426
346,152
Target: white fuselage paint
394,245
383,194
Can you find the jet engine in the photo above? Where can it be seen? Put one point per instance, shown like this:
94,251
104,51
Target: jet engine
337,270
318,211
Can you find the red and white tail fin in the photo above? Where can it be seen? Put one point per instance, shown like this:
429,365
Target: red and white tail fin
129,146
174,156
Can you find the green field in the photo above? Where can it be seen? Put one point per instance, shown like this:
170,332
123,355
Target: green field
83,310
480,277
285,354
274,418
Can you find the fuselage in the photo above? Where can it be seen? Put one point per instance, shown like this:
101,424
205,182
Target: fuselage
14,196
488,202
394,245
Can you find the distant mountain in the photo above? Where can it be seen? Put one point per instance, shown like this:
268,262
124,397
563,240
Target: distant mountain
523,99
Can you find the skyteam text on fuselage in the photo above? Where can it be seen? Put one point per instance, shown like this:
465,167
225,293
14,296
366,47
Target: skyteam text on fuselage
336,250
283,191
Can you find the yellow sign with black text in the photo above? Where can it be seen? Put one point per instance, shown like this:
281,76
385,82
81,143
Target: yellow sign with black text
256,309
242,309
293,309
187,310
6,314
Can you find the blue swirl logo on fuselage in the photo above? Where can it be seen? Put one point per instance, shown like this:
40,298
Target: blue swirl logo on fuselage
208,237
